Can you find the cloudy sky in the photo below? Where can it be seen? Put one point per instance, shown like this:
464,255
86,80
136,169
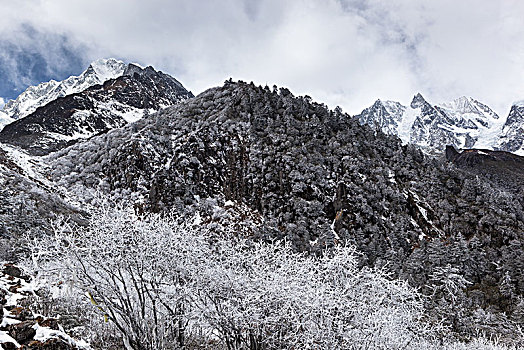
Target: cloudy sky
340,52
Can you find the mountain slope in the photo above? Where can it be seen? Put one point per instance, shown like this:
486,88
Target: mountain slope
4,119
504,168
28,202
33,97
97,109
318,178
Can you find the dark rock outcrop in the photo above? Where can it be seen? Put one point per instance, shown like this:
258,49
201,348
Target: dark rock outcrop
8,346
50,344
12,270
22,332
451,153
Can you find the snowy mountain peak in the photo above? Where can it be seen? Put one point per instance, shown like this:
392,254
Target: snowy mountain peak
150,73
96,109
383,115
377,103
518,103
468,105
418,101
463,104
33,97
107,68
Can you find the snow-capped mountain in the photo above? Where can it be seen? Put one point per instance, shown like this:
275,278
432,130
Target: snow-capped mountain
512,136
65,120
463,123
35,96
384,115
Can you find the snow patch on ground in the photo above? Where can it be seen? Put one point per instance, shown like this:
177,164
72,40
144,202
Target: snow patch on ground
29,164
6,338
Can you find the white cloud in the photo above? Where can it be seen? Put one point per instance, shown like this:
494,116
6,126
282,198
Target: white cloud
341,52
2,103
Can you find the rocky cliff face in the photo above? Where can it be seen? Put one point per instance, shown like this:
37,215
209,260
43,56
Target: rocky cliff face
97,109
503,168
512,137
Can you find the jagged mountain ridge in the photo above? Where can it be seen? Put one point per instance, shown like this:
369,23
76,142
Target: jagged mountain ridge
463,123
67,119
33,97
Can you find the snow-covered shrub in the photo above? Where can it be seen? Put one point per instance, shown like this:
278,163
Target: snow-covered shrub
132,270
267,296
166,285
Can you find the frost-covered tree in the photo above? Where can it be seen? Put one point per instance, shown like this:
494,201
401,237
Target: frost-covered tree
165,285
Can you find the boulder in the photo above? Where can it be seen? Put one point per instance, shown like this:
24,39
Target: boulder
12,270
49,322
22,332
50,344
8,346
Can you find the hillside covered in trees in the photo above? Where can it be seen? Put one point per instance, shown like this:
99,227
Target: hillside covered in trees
286,167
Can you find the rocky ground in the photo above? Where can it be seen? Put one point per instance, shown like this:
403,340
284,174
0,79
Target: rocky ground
20,327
